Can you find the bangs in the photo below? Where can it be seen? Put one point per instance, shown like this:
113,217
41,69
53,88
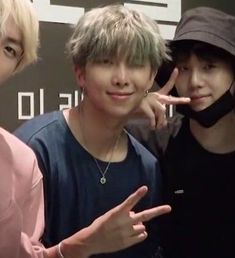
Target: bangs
181,51
5,11
132,46
115,32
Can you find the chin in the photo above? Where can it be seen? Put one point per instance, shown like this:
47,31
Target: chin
119,114
198,108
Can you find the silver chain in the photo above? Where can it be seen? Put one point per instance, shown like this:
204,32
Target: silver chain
103,172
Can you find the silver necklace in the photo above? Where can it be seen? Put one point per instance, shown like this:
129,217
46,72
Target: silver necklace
103,172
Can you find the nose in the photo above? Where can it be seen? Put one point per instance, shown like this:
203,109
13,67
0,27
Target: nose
196,79
120,75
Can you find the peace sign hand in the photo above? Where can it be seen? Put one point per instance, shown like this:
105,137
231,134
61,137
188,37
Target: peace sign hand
117,229
153,106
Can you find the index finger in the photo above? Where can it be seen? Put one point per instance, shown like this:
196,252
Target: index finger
133,199
170,83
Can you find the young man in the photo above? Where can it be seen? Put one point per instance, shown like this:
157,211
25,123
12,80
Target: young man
21,190
198,159
89,162
21,205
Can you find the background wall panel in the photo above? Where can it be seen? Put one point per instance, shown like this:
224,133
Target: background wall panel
49,84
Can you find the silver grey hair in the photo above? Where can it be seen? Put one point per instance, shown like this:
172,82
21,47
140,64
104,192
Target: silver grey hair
114,32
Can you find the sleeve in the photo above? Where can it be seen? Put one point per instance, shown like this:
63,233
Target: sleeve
10,216
21,203
10,231
153,140
15,242
156,199
33,219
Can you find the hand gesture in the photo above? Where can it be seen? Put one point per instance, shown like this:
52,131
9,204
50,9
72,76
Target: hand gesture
117,229
153,106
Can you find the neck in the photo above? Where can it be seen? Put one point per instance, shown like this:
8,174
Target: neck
219,138
98,136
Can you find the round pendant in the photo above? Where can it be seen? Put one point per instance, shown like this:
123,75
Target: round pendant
102,180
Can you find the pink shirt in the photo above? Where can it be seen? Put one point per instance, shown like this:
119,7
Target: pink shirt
21,200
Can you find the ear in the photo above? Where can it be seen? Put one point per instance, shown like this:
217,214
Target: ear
151,79
80,76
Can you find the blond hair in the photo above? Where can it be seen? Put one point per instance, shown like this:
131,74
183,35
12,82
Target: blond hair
25,18
116,31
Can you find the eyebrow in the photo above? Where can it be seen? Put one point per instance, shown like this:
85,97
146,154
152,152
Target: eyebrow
14,41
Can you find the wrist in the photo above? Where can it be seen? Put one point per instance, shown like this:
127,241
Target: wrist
73,247
59,251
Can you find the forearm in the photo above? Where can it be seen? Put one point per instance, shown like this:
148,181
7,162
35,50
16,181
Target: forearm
72,247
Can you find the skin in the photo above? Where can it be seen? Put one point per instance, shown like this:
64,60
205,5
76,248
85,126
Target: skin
154,105
112,91
114,88
117,229
203,81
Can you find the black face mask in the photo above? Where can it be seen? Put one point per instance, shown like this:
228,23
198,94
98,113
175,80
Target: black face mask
210,115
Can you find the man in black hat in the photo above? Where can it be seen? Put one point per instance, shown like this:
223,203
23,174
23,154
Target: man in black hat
198,158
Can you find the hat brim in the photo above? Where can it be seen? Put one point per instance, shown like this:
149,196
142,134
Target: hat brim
166,68
206,37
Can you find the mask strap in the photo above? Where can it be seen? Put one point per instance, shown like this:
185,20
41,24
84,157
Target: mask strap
231,83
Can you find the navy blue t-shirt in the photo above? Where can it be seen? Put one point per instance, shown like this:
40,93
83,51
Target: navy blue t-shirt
74,197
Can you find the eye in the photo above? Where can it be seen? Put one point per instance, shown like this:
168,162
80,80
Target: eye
11,52
107,61
182,68
209,66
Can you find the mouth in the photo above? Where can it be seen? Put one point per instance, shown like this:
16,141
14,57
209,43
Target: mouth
120,95
199,96
197,99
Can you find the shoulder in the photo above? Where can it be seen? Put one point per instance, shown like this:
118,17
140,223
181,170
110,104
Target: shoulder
147,160
140,149
40,125
155,141
13,146
19,158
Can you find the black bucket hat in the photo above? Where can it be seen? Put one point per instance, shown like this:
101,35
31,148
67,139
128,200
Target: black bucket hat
203,24
207,25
